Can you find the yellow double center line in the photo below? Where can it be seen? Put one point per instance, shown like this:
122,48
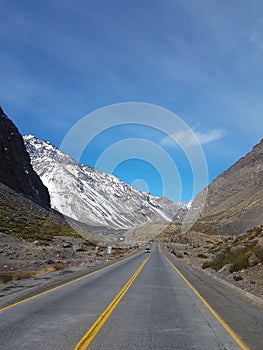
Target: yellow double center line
94,329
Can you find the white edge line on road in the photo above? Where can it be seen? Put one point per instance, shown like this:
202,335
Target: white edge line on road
212,311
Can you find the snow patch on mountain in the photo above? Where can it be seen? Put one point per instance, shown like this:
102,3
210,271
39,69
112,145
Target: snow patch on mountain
94,197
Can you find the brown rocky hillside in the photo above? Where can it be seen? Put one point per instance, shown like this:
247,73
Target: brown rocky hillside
234,202
227,238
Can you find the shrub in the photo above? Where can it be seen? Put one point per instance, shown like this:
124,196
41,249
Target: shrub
259,252
238,278
206,264
220,259
239,261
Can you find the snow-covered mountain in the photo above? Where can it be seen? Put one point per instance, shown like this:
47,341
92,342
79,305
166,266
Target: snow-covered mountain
94,197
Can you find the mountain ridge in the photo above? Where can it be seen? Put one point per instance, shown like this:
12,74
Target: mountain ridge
234,199
91,196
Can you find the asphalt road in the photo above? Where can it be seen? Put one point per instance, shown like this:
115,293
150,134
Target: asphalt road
156,310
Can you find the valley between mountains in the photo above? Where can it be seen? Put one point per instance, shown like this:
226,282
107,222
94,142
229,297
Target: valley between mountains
57,213
61,220
66,214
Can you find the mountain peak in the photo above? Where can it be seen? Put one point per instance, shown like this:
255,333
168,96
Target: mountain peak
29,137
94,197
2,114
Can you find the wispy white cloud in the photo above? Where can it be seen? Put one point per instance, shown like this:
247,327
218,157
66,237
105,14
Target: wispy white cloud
210,136
189,138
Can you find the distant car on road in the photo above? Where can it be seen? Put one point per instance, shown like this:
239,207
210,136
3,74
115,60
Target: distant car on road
147,250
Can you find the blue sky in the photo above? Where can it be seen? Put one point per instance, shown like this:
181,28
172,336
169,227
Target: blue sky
61,60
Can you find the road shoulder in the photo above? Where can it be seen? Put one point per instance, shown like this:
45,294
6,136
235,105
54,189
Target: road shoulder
244,318
11,293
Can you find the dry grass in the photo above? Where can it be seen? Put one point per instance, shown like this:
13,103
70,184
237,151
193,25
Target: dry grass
13,276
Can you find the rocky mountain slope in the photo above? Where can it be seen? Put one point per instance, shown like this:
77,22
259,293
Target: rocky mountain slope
29,229
36,240
91,196
227,238
15,168
234,202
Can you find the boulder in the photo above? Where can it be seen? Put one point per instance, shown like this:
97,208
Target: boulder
253,260
66,245
225,268
49,262
78,248
177,253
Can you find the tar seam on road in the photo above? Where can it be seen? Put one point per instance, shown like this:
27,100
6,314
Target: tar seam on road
94,329
61,285
213,312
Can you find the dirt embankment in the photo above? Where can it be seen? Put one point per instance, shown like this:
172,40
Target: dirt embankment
20,259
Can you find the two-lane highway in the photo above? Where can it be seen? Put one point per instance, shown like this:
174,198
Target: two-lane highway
139,303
